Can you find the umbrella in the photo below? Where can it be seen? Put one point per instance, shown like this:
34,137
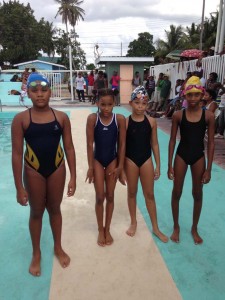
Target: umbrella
175,54
192,53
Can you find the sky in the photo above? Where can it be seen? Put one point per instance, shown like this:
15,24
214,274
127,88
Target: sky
114,24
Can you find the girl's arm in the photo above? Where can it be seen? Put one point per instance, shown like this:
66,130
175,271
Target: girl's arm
213,107
155,146
17,134
210,146
91,120
70,154
175,122
121,121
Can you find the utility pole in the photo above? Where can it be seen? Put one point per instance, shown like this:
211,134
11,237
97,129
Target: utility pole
202,25
219,27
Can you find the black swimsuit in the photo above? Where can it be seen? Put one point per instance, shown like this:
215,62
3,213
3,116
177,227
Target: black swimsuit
191,146
138,141
43,150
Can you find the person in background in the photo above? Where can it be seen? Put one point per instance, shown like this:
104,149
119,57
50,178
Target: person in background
165,93
136,81
150,86
114,81
80,83
159,84
90,84
221,119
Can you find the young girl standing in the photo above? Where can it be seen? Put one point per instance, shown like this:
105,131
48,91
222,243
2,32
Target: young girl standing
105,152
141,140
43,166
192,122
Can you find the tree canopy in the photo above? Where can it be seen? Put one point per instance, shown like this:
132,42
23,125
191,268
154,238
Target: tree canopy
22,37
143,46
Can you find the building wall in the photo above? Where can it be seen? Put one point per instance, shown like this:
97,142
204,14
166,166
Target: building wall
126,86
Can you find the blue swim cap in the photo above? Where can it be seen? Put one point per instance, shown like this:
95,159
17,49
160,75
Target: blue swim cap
37,77
139,93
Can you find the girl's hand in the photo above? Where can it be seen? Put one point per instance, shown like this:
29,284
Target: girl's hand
71,188
115,173
90,176
22,197
206,177
156,173
170,174
123,178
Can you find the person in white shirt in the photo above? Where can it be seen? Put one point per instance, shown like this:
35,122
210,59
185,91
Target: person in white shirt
80,82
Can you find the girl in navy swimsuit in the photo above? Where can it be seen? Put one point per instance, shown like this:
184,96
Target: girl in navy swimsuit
105,152
141,141
43,167
192,122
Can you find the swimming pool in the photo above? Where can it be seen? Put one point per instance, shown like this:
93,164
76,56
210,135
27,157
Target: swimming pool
198,271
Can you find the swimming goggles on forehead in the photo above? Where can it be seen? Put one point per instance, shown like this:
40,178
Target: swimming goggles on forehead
195,86
34,84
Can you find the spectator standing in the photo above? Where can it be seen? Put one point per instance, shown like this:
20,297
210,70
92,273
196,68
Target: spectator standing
136,81
221,119
80,82
165,93
157,92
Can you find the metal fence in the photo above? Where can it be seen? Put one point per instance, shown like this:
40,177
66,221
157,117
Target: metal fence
179,70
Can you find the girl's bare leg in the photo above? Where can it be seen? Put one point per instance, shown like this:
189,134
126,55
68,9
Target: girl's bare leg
147,182
99,174
110,187
55,188
180,169
36,187
132,174
197,171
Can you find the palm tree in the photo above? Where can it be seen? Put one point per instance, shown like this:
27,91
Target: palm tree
70,11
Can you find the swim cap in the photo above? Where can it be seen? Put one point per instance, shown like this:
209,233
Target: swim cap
139,93
37,77
193,85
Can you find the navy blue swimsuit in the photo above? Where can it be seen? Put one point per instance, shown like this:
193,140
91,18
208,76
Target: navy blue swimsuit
191,146
43,150
105,139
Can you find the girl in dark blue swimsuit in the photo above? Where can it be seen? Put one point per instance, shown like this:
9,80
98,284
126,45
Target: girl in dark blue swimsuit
141,141
192,122
105,151
43,167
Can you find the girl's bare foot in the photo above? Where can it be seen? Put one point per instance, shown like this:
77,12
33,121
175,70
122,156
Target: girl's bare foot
131,230
196,237
63,258
175,237
108,238
101,238
35,265
161,236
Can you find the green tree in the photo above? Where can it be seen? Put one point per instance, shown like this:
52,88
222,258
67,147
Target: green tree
21,35
193,36
209,31
61,47
142,47
175,39
70,11
90,66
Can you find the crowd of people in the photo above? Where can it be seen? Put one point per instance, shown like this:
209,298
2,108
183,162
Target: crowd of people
88,85
160,104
